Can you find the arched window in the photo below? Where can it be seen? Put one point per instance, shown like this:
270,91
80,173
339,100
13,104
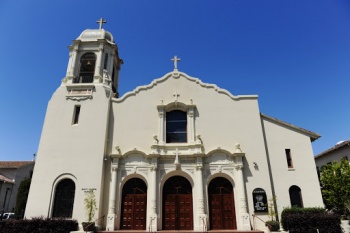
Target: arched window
64,199
87,68
295,196
176,126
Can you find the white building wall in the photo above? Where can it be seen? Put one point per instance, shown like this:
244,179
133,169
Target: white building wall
70,151
234,120
303,174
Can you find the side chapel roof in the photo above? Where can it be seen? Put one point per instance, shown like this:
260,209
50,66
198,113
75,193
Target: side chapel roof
313,136
334,148
15,164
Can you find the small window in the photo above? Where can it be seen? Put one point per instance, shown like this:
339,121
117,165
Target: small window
295,196
106,62
176,126
346,158
289,158
76,115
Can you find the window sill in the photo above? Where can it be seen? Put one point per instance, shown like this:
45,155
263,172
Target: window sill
291,169
170,149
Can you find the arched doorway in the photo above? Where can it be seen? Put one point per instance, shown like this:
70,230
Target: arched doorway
221,204
64,199
134,205
177,204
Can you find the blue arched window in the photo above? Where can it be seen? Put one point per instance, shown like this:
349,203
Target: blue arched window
176,126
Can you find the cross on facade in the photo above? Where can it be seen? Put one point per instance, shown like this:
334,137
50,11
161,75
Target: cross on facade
176,96
101,21
177,162
175,60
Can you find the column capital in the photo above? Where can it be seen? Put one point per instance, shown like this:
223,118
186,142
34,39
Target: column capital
114,168
153,167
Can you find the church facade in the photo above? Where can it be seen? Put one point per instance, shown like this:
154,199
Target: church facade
176,154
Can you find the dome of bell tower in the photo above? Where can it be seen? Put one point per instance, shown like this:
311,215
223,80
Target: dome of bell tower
96,34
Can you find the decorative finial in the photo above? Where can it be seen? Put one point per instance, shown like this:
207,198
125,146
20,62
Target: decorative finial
238,148
101,21
175,60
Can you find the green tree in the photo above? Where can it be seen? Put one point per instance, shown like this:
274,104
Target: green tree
22,195
335,186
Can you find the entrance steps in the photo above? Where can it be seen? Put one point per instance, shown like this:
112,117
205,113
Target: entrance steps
183,231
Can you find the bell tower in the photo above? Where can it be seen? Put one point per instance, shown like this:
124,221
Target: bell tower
94,58
72,148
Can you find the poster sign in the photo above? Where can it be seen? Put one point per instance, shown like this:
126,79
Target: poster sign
260,200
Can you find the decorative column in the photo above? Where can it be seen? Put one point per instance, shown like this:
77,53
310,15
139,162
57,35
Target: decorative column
202,217
244,216
111,217
153,196
97,73
161,113
72,61
191,130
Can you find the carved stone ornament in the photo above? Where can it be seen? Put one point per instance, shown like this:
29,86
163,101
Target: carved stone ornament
162,173
79,93
153,167
154,206
201,205
123,173
79,98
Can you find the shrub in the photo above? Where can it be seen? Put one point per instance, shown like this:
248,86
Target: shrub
39,225
308,220
22,196
273,225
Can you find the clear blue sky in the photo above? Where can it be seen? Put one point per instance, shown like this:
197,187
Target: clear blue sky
294,54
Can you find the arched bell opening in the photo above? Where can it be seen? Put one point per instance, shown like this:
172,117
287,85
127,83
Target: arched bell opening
87,68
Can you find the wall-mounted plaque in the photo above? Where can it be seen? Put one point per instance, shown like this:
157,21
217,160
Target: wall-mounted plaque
260,200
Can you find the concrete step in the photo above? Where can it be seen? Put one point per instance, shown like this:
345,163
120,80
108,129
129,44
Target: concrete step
182,231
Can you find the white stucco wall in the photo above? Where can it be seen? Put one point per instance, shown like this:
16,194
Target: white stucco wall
70,151
303,174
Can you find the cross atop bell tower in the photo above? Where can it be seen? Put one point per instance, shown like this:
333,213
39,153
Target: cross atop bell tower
101,21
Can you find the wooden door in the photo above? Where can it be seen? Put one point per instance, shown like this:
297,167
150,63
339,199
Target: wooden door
221,204
134,205
177,204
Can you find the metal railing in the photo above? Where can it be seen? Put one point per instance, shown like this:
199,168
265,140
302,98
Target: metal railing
254,216
84,78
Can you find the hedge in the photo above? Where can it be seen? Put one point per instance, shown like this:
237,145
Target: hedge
309,220
39,225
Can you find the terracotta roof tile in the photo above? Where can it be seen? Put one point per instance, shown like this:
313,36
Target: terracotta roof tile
313,136
14,164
